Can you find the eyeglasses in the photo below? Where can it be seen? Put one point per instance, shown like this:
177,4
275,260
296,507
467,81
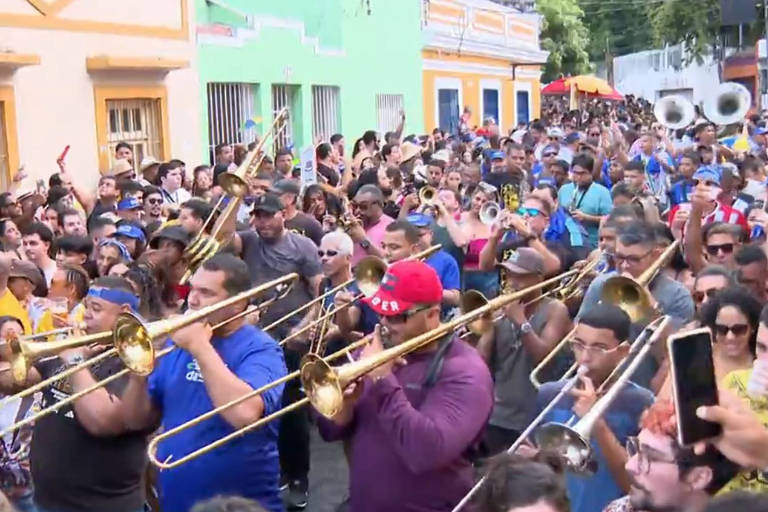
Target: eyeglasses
708,183
403,317
736,329
330,253
645,458
529,212
712,250
632,259
595,350
594,134
155,201
699,296
548,154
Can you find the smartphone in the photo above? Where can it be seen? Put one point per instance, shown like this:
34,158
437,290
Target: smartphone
693,384
63,154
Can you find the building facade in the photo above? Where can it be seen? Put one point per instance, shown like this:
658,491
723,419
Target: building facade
339,66
88,74
481,55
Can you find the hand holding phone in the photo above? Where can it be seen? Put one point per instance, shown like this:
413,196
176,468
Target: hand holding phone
693,383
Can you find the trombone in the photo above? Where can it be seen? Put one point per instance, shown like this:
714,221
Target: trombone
235,184
133,342
639,349
324,384
572,443
368,274
631,295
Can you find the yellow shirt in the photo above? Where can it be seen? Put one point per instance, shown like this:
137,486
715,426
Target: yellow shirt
754,480
10,305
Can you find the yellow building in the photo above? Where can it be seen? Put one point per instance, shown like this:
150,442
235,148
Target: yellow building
92,73
484,56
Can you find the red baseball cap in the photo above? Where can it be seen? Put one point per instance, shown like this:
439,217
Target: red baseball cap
406,284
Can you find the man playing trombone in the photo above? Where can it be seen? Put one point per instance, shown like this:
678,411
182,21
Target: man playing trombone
411,427
83,458
599,343
213,368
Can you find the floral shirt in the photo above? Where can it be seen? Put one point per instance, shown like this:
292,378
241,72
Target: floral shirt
620,505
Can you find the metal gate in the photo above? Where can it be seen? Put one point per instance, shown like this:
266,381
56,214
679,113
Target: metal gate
230,106
388,108
282,97
325,111
136,122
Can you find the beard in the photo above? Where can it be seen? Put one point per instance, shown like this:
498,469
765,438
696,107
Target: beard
642,500
386,191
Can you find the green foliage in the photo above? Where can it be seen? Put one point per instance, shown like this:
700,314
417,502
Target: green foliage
565,37
696,27
618,26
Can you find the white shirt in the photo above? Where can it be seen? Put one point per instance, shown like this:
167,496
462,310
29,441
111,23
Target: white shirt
182,195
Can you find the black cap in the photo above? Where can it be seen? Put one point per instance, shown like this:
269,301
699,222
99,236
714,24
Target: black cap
286,186
269,202
175,233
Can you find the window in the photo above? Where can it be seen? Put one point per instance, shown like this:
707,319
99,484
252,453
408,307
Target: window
137,122
448,110
232,114
388,108
284,95
491,105
523,112
325,111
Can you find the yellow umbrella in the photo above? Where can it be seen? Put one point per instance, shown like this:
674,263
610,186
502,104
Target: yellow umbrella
589,84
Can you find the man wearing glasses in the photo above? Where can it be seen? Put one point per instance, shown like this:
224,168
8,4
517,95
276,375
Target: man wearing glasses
412,427
600,342
369,233
665,476
585,200
636,249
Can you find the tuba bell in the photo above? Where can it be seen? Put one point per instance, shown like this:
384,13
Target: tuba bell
674,111
728,104
489,213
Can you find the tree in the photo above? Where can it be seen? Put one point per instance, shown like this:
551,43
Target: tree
616,26
680,22
565,37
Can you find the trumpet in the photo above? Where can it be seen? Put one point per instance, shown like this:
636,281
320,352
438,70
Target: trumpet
572,442
133,342
427,195
323,383
490,213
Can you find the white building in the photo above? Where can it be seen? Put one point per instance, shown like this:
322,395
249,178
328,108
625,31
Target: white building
653,74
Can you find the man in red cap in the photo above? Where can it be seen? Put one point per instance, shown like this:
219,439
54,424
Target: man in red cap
412,427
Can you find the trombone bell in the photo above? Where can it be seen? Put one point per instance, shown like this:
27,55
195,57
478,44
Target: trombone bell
369,272
630,296
233,184
471,300
322,384
133,343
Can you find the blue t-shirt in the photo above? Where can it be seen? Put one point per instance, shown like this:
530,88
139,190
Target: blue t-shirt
246,466
680,192
593,493
368,317
596,200
448,271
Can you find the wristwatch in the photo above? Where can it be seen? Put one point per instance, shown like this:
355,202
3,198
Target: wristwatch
74,360
365,244
526,328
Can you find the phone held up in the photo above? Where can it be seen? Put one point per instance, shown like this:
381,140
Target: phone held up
693,384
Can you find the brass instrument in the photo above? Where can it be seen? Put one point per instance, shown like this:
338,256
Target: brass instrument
534,376
632,295
368,274
235,184
674,111
490,213
728,104
324,384
133,342
572,442
574,288
427,195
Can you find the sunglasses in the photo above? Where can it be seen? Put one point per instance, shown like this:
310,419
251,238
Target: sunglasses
736,329
155,201
548,154
699,296
554,139
330,253
403,317
707,183
712,250
594,134
530,212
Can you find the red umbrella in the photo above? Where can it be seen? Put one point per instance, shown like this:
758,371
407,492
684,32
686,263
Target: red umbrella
586,84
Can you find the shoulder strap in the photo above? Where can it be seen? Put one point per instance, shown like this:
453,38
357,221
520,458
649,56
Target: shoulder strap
436,365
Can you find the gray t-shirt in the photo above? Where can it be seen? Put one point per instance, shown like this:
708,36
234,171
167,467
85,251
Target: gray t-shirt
514,396
268,261
303,224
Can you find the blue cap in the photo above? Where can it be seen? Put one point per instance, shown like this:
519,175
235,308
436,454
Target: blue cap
497,155
130,231
546,180
707,173
549,147
760,130
129,203
420,220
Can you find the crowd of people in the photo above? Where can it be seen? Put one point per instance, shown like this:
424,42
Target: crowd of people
606,184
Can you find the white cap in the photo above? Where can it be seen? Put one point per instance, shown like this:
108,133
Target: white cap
148,162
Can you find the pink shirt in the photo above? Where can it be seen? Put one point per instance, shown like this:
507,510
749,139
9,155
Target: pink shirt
375,235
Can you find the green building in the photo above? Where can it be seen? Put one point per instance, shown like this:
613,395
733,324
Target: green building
339,66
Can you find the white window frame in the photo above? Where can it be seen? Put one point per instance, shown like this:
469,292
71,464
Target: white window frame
142,144
446,83
326,100
523,87
386,120
491,84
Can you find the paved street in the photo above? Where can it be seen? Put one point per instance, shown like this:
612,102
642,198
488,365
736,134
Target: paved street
328,475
